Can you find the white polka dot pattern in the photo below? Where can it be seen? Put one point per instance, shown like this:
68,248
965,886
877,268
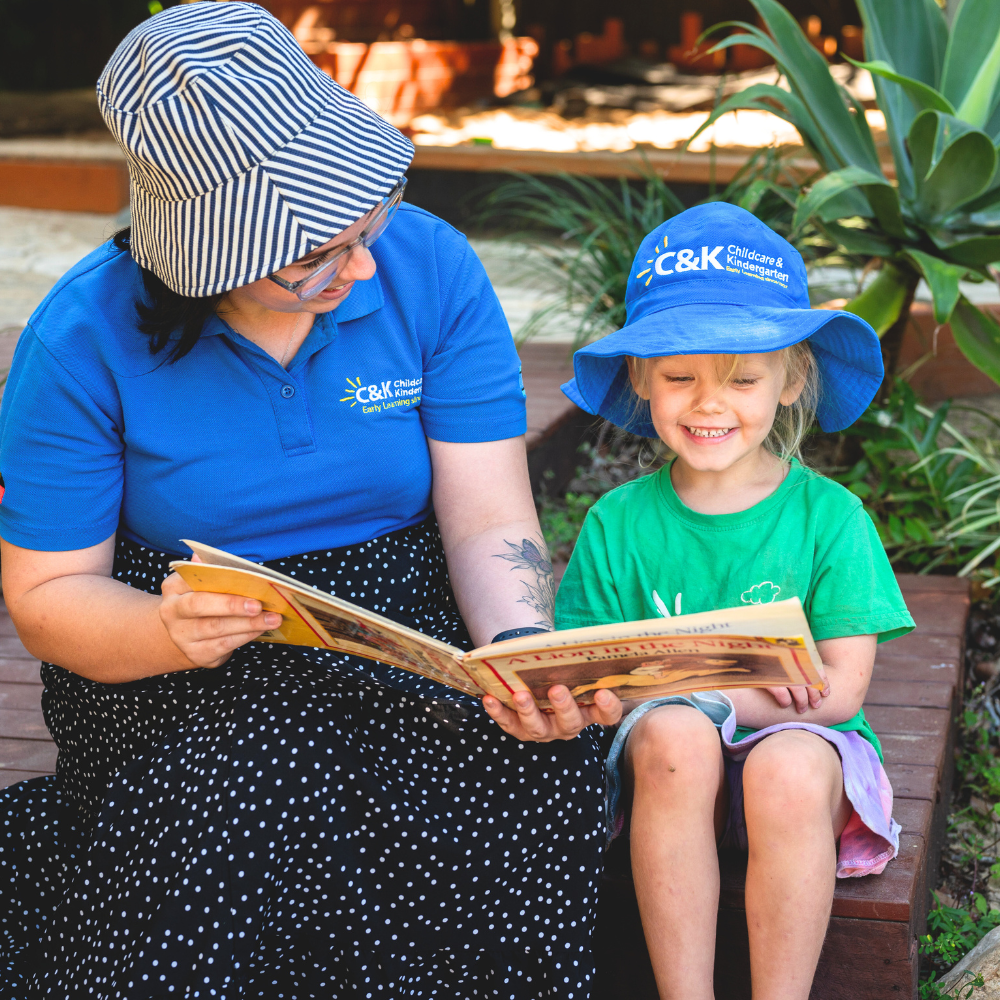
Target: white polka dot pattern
286,826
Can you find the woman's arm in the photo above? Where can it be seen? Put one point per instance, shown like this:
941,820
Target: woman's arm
68,610
501,571
849,662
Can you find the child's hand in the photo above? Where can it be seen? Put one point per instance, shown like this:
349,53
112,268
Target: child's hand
532,725
801,696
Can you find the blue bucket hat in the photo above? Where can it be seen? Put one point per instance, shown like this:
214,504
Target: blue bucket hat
716,280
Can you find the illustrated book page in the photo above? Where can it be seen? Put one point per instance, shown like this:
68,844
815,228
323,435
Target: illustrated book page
752,646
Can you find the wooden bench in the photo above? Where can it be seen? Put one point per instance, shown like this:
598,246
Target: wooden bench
870,951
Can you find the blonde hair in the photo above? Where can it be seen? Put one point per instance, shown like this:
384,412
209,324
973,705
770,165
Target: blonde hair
791,423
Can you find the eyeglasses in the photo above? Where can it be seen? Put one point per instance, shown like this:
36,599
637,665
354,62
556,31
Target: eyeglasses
315,280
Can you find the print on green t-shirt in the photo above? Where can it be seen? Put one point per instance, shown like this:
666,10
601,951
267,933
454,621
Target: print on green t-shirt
643,554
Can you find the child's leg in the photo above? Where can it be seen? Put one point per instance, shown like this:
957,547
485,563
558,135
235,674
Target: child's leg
795,807
673,762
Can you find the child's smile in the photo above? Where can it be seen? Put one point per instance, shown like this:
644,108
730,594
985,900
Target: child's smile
707,434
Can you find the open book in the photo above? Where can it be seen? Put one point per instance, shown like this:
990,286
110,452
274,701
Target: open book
766,645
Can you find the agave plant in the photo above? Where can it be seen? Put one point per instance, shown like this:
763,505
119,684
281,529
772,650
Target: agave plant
939,89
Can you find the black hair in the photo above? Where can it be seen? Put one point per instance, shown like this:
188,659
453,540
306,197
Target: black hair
161,310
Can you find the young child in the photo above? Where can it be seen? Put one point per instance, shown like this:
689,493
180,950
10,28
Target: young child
723,360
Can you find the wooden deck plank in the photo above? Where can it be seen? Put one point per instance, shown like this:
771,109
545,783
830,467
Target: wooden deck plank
906,748
27,696
910,694
19,672
913,781
913,657
11,648
22,724
937,613
28,755
914,816
909,721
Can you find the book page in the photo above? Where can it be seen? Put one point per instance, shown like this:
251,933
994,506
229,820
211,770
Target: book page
753,646
312,618
641,669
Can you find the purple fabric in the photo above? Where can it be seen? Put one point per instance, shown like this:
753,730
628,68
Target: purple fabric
870,839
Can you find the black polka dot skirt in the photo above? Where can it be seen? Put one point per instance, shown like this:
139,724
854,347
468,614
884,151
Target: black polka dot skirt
297,823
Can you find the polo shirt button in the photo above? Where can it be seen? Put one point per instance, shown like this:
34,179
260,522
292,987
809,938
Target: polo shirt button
288,391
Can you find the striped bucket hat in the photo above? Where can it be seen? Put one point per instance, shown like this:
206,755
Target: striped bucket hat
243,156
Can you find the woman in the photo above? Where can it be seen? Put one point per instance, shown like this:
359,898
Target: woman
233,819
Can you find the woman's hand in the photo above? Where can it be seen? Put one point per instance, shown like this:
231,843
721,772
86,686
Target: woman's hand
531,725
206,628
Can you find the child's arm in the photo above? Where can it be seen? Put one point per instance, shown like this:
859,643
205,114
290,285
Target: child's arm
848,661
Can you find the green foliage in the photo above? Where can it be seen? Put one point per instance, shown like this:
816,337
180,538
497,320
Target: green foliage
600,225
953,931
561,520
939,89
972,845
933,494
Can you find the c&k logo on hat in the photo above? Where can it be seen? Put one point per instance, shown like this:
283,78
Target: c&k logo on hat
686,260
739,260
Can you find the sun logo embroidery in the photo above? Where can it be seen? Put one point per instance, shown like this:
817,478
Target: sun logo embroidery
649,270
761,593
353,391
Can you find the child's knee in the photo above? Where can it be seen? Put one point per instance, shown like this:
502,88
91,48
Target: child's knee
675,745
791,773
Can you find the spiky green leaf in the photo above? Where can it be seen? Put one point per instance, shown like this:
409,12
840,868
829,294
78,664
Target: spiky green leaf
952,162
981,98
859,241
975,252
911,36
882,302
977,334
921,94
782,104
974,32
809,77
942,279
834,185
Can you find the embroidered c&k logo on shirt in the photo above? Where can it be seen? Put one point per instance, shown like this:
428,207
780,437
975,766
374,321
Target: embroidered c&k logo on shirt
376,397
761,593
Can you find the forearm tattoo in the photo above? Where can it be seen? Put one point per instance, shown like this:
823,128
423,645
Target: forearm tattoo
539,580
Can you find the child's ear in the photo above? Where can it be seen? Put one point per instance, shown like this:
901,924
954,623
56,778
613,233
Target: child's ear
793,389
637,376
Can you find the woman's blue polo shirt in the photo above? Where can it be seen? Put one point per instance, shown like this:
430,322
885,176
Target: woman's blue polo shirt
98,435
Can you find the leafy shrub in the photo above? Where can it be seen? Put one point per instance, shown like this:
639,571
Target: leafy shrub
933,493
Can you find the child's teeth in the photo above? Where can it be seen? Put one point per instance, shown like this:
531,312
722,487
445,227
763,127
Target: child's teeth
709,433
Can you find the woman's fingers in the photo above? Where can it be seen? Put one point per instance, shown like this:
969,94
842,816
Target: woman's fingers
206,627
565,722
569,719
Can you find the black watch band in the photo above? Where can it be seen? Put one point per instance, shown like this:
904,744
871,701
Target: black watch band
516,633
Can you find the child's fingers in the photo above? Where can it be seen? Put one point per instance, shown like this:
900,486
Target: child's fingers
781,696
816,697
800,697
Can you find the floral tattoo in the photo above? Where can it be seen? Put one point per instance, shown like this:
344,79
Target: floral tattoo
540,585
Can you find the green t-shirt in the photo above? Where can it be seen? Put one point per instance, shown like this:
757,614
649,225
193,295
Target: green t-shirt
642,553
